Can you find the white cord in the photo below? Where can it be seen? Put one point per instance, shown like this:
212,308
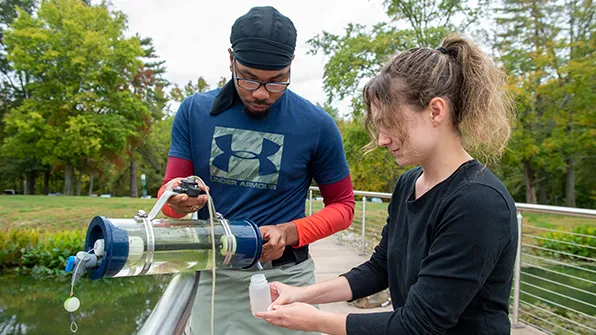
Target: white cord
211,208
74,274
73,325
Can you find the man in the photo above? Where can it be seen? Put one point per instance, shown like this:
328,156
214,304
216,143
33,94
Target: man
258,146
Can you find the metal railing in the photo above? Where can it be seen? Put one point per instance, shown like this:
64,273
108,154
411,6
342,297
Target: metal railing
555,278
367,224
553,290
554,287
171,315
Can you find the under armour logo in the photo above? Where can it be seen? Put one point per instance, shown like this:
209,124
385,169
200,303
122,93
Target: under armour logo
268,148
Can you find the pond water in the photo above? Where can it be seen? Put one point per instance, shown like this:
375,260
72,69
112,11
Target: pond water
119,306
116,306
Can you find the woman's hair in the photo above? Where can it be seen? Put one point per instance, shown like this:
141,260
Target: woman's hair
459,72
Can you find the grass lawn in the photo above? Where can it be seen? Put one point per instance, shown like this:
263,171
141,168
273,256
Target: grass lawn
57,213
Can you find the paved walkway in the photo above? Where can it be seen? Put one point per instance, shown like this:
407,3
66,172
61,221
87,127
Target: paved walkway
332,259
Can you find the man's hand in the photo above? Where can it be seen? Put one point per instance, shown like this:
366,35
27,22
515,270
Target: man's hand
275,243
182,203
276,239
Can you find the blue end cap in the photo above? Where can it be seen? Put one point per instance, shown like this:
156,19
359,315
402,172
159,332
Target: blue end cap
249,243
70,263
116,247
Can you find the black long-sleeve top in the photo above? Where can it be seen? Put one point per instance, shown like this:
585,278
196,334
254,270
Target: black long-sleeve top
447,258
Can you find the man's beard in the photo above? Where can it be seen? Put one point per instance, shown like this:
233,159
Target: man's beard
260,115
257,115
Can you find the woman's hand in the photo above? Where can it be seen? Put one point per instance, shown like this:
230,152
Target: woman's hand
290,309
294,316
282,294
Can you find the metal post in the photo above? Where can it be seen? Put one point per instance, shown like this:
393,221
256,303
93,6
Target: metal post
144,185
362,253
517,274
310,203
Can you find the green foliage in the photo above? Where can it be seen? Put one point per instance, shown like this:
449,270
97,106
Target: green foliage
80,105
154,154
329,109
584,246
13,244
28,251
360,52
222,82
179,94
377,170
548,48
80,101
12,91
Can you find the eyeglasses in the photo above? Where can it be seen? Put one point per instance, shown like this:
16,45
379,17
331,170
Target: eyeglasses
253,85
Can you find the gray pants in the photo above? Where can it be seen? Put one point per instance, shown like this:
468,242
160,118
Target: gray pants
232,305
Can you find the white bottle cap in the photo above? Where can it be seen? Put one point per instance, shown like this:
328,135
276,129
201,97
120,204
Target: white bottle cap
258,279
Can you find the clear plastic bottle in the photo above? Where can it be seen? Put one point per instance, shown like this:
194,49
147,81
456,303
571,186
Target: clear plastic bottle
260,296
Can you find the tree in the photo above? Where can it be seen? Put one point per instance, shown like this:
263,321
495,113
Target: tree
374,171
80,104
8,12
179,94
222,81
361,51
548,49
149,86
11,94
525,28
329,109
573,90
155,153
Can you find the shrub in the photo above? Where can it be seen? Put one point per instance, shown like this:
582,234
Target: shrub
25,250
583,245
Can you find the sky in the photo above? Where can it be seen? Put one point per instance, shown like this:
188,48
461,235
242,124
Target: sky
193,36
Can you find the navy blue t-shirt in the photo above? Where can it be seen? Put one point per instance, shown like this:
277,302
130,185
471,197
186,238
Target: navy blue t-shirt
259,170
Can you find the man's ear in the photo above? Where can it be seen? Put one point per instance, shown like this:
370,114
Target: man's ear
231,59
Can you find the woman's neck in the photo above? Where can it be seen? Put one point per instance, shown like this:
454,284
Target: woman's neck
442,164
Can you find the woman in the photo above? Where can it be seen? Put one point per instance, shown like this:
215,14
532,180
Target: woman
448,248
